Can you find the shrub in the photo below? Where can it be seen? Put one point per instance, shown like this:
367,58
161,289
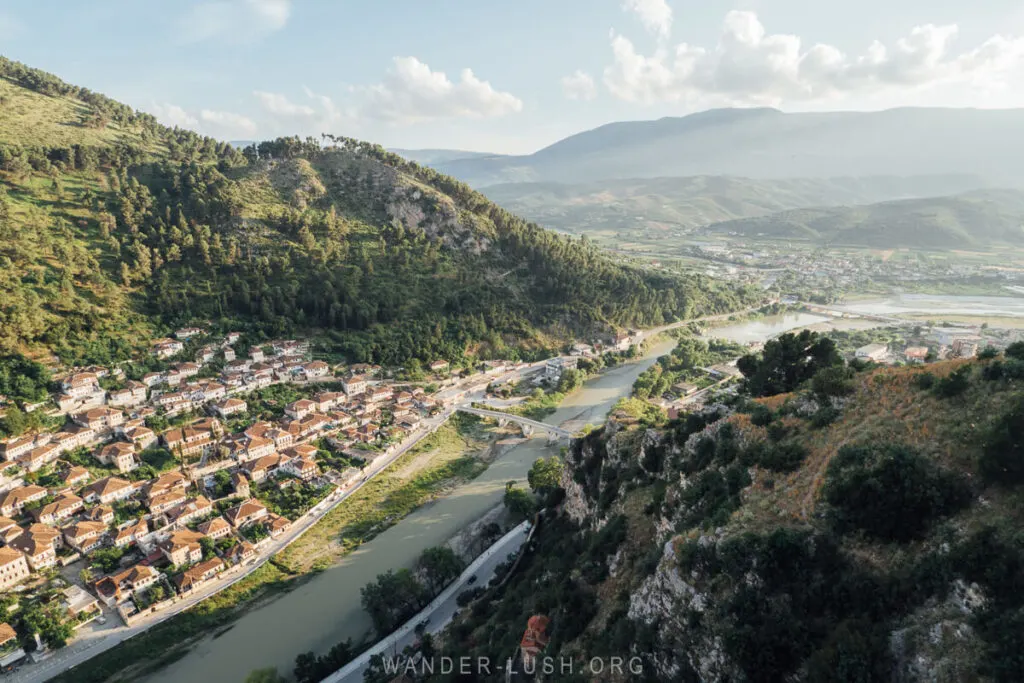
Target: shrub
924,380
782,457
468,596
833,381
777,431
889,491
993,371
857,651
824,416
988,353
1002,461
953,384
1015,350
761,416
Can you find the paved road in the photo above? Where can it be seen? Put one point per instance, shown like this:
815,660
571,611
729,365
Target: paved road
441,610
100,638
90,644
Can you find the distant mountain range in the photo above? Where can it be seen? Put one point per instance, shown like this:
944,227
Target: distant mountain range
973,219
432,157
623,205
767,143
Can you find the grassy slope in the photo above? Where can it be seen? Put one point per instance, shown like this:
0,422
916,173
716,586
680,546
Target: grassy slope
885,407
30,118
58,239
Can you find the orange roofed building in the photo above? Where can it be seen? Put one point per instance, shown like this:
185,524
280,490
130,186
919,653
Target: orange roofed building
535,639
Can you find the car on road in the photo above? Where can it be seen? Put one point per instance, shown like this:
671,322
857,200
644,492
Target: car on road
471,580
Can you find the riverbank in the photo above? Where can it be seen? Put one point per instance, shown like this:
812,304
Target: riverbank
381,502
457,452
326,609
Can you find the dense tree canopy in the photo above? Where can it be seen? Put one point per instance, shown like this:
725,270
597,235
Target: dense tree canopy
787,362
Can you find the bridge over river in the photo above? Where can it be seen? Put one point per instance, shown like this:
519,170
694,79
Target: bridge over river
527,423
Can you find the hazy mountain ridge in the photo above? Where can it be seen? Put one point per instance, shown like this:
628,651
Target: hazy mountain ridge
767,143
975,219
433,157
688,202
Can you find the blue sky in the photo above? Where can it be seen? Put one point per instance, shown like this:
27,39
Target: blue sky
513,76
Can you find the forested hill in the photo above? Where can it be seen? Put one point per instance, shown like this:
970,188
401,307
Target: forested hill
114,228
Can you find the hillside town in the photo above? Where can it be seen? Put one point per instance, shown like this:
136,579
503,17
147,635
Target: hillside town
151,489
825,275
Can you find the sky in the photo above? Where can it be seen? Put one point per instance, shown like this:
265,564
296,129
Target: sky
513,77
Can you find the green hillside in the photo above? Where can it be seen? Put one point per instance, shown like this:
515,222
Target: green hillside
690,202
864,526
978,218
115,228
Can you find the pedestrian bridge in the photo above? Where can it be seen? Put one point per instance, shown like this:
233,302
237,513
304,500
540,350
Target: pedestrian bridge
526,422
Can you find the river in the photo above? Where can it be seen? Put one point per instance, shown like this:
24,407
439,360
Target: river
939,304
760,329
326,609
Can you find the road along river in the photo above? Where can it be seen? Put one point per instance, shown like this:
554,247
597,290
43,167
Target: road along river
326,609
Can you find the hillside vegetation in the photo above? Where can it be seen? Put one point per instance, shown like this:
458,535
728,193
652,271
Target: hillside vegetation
980,218
691,202
114,229
861,526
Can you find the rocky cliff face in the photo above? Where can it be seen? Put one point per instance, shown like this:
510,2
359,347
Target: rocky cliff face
716,574
398,198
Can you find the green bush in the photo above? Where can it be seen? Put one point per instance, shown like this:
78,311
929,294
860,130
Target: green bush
988,353
824,416
1002,461
890,491
857,651
782,457
761,416
924,381
833,381
1015,350
954,384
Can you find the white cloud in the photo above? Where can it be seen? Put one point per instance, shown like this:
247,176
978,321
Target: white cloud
579,86
234,20
750,66
280,105
655,15
225,124
412,92
173,115
218,124
287,117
